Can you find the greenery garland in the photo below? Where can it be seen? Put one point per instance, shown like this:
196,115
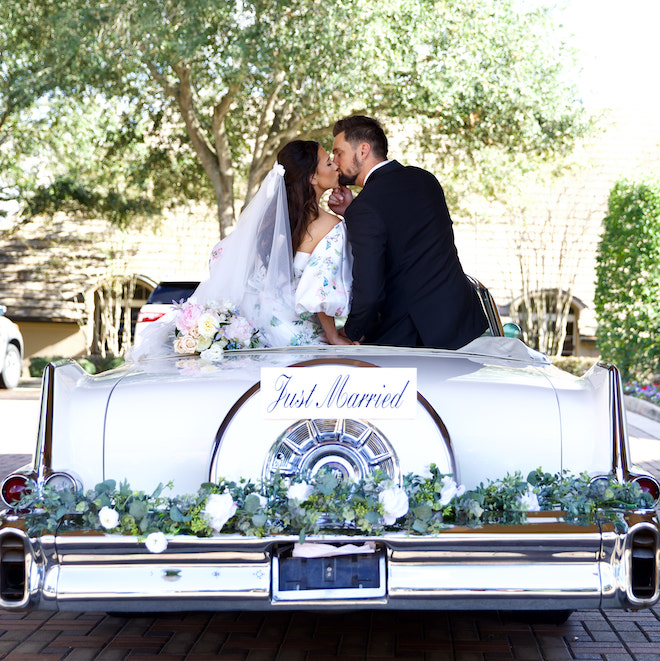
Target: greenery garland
325,503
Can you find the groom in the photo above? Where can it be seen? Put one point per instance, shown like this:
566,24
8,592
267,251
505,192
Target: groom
409,288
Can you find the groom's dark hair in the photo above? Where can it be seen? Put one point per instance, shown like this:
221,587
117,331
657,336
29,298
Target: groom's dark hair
359,128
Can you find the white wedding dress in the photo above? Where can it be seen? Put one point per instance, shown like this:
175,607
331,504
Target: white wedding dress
253,269
323,281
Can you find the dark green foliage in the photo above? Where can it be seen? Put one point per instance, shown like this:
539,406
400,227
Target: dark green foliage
158,101
66,195
627,296
91,364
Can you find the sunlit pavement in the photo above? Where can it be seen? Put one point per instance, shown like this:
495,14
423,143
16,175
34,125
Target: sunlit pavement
373,635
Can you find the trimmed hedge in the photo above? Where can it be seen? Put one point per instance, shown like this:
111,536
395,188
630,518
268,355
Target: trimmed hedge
627,297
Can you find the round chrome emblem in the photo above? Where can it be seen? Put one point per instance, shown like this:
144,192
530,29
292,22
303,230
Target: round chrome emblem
352,448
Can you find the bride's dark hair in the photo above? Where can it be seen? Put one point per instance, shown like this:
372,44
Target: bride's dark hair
300,159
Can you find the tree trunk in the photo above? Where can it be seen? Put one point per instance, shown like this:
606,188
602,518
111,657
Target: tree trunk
217,163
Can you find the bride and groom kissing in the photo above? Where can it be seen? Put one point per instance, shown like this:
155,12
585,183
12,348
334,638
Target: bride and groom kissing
384,260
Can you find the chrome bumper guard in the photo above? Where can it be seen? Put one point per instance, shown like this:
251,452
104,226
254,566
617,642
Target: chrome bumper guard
544,564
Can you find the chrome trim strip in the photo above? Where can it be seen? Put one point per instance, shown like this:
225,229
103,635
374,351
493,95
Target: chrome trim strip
619,440
489,307
43,453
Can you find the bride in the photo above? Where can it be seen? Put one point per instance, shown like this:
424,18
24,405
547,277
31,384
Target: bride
286,267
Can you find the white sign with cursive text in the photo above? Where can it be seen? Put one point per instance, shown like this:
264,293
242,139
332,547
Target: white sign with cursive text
339,392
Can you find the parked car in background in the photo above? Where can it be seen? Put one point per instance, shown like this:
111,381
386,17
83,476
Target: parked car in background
332,477
160,301
11,351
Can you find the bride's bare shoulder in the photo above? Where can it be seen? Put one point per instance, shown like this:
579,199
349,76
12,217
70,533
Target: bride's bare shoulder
317,229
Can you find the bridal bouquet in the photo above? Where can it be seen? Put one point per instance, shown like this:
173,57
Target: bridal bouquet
209,328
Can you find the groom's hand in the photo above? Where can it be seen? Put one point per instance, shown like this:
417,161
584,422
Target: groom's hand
339,199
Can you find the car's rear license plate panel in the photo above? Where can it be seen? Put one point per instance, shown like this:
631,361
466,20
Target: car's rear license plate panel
359,576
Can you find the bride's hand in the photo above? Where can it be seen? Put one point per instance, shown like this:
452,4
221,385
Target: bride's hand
341,339
339,199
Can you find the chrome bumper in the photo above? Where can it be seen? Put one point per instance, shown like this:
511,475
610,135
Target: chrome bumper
545,564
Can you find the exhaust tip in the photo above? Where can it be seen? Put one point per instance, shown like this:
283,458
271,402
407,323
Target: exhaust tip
12,568
644,563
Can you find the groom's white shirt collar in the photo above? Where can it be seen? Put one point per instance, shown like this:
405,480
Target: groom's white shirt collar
373,169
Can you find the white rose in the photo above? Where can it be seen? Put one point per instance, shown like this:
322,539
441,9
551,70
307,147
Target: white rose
529,501
213,353
300,491
220,507
156,542
450,490
395,504
108,517
185,344
203,343
207,324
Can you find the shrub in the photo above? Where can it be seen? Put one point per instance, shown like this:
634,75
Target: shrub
38,365
577,365
91,364
628,280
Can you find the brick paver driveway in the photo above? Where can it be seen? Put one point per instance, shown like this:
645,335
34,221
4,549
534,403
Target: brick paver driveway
468,636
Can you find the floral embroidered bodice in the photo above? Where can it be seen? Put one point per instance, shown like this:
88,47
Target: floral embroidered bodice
323,284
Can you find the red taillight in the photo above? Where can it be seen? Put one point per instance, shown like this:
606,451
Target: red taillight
149,316
13,488
649,485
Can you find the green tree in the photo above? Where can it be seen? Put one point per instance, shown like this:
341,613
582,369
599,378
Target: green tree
628,280
201,91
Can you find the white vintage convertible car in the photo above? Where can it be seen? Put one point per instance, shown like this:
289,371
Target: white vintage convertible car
332,477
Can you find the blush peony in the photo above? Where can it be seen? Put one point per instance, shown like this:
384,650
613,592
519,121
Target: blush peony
239,330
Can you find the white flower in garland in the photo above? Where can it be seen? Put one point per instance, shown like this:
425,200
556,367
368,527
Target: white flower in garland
263,501
156,542
529,501
108,517
450,490
220,507
299,491
395,504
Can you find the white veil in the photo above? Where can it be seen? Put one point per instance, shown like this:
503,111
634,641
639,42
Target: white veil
252,269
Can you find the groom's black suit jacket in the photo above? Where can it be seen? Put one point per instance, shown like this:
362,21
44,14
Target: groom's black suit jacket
409,288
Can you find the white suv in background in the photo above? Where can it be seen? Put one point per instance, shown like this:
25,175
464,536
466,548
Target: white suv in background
11,352
161,299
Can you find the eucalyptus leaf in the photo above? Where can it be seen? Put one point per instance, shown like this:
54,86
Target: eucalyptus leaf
137,509
176,515
252,503
259,520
